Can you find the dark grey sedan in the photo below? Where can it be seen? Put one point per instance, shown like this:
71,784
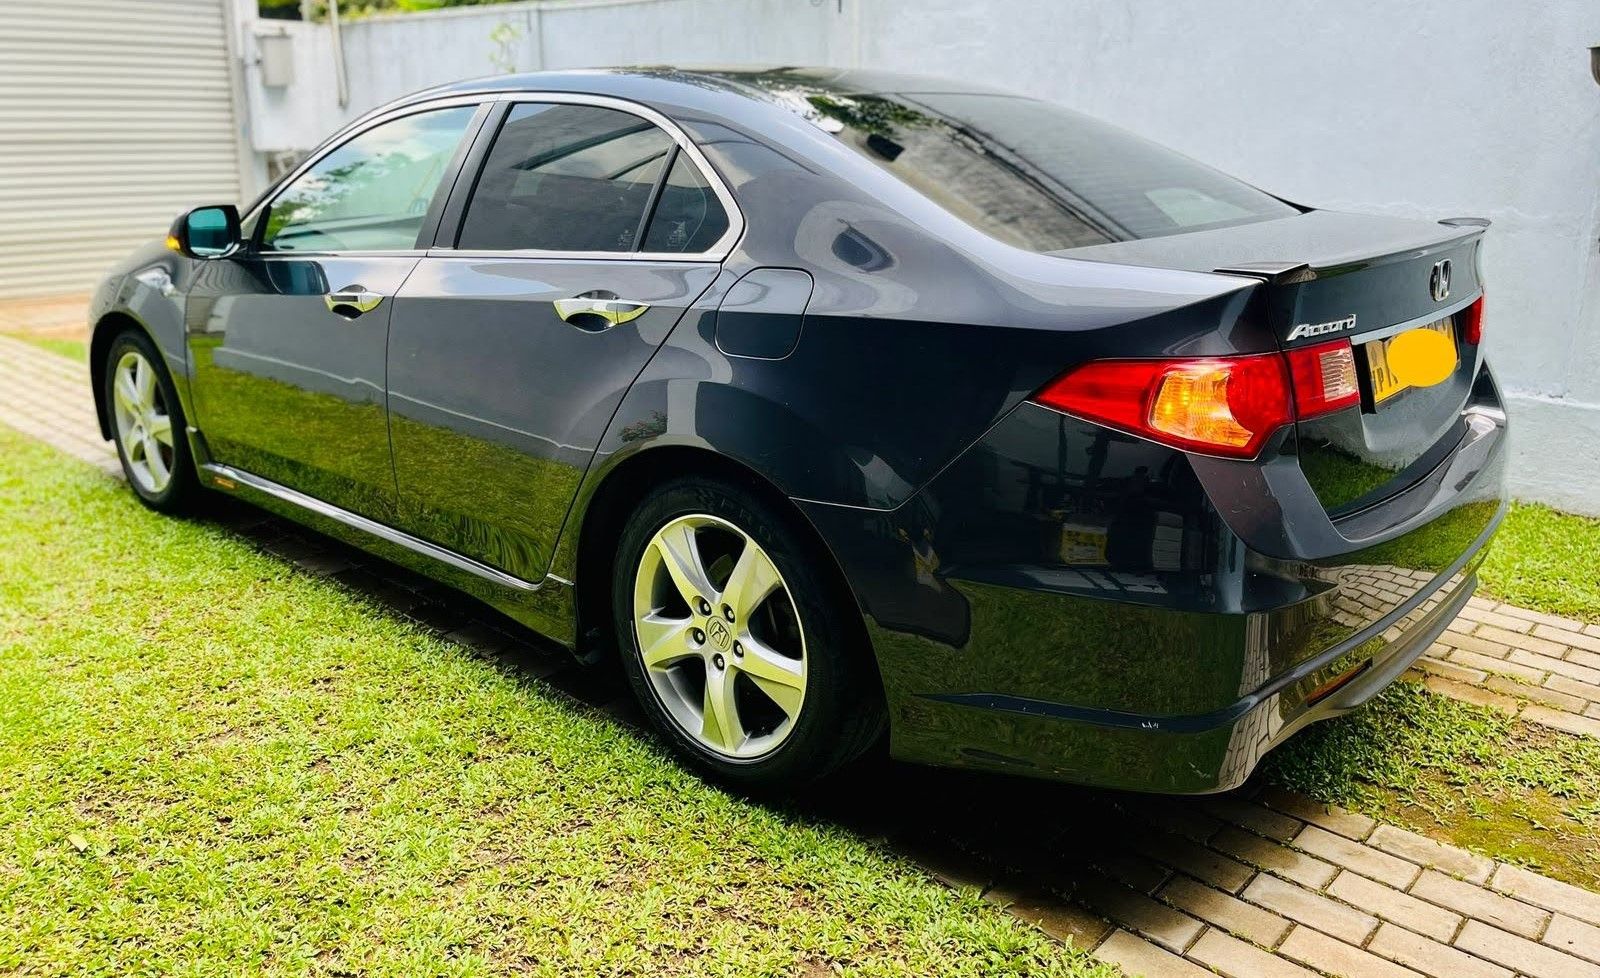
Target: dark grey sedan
841,407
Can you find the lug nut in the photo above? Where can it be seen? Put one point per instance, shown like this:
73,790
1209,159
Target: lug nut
727,612
699,637
738,650
717,661
704,606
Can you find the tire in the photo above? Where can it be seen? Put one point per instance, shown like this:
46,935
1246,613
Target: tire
160,470
781,739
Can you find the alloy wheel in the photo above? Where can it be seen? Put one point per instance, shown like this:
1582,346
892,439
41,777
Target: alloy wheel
144,428
719,636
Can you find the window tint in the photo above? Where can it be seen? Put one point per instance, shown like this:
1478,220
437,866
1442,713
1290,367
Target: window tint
566,178
371,193
1033,174
688,217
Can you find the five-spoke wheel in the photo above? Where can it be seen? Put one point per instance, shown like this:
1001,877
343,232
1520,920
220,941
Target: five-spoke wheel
147,423
719,635
745,654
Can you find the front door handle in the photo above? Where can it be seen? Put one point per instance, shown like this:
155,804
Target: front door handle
352,301
599,310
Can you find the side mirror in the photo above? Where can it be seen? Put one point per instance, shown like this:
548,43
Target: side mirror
206,232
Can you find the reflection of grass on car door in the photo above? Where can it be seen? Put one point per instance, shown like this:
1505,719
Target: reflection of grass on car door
213,763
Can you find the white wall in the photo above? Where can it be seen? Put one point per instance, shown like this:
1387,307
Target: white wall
1423,108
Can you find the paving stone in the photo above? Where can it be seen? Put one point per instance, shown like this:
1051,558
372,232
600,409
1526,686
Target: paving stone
1191,857
1392,905
1141,958
1480,904
1474,643
1573,687
1518,641
1472,694
1540,694
1338,958
1225,912
1557,665
1583,657
1365,860
1478,613
1429,852
1236,959
1275,858
1257,818
1061,920
1528,614
1541,891
1330,817
1504,667
1430,957
1137,912
1450,670
1562,720
1574,937
1312,909
1521,954
1572,636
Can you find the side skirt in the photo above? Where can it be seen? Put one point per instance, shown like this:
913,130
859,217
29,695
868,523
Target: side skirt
546,605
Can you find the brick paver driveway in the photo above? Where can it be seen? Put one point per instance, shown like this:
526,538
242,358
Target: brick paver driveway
1248,884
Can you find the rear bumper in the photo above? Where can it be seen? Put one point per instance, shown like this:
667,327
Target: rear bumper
1071,604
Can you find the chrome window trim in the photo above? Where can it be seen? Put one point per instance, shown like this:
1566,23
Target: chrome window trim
718,251
333,144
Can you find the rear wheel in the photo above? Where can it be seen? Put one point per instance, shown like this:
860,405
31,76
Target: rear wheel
738,651
147,424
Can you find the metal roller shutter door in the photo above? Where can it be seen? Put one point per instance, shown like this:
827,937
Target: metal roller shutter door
114,116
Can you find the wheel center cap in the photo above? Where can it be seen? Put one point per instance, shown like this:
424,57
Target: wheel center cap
719,634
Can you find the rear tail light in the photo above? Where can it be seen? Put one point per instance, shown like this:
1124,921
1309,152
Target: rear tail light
1472,323
1217,405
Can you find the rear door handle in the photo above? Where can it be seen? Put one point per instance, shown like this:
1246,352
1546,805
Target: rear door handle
599,310
352,301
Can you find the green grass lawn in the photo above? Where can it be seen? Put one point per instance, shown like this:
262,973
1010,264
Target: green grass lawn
76,349
213,764
1546,560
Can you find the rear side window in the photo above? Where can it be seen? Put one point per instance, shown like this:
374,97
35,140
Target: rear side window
688,217
566,178
1036,175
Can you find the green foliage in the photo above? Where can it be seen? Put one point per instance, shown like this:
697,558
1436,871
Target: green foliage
1546,560
352,9
212,763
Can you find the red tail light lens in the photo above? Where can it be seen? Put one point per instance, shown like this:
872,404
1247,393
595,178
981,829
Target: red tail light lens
1324,378
1217,405
1472,323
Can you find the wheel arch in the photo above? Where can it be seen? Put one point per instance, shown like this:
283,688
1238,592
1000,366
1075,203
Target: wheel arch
106,329
620,489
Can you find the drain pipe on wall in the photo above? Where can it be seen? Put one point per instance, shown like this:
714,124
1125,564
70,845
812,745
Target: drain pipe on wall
341,79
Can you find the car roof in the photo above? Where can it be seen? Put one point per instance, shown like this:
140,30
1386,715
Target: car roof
726,90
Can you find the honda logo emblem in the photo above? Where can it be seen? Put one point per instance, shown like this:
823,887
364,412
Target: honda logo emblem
1439,281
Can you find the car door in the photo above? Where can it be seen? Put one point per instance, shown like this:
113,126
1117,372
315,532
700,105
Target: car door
591,226
287,339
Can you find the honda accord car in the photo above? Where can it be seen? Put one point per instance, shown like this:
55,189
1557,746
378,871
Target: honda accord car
842,408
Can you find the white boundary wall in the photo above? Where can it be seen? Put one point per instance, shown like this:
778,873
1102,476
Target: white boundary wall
1426,108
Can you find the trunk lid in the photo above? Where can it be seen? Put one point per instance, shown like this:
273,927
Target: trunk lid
1328,276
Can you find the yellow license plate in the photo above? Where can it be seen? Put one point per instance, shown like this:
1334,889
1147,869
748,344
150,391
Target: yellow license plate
1385,382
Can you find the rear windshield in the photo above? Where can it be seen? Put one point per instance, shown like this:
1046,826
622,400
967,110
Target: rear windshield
1036,175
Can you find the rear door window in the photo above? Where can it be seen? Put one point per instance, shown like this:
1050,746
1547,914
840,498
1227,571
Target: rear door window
570,178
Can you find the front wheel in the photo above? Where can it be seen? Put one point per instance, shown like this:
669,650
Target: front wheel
739,652
148,426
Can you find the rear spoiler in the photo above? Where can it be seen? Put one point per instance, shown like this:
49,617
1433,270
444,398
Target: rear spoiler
1294,273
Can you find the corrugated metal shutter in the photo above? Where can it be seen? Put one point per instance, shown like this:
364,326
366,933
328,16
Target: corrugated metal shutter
114,116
